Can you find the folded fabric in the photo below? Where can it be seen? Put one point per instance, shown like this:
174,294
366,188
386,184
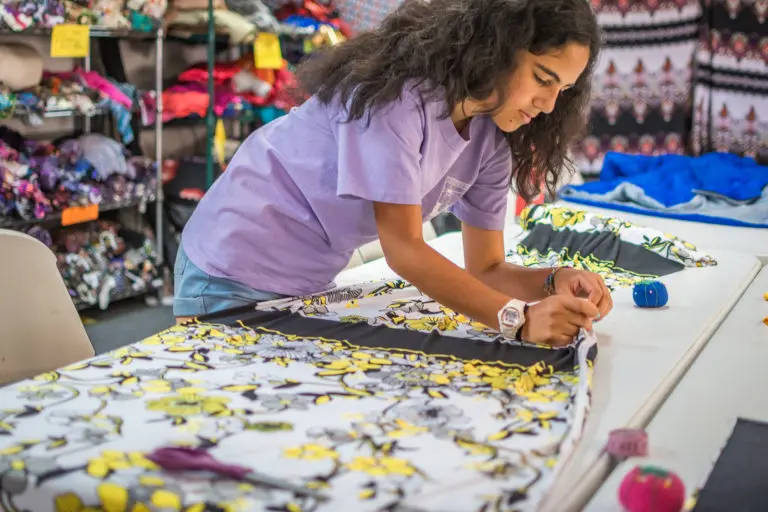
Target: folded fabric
718,188
256,12
189,5
621,252
239,29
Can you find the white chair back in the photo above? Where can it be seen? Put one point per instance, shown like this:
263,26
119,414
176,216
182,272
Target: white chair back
40,329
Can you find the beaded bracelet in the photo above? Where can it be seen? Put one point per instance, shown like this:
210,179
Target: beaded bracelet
549,282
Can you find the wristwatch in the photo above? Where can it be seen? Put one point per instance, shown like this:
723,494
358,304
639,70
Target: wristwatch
512,318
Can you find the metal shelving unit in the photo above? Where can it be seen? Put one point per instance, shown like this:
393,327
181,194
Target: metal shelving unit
154,196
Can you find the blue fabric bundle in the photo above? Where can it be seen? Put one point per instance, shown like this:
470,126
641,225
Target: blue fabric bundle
718,188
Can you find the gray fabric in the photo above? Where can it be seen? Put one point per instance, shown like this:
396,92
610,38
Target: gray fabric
256,12
106,155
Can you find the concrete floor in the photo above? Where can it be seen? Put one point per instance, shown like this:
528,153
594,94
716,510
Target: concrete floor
125,322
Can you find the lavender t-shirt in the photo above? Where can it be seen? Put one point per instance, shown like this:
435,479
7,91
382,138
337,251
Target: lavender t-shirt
297,198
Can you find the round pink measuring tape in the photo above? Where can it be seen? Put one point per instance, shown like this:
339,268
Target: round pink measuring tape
628,442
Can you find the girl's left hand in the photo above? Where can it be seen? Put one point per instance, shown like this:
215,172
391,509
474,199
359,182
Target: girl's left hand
584,284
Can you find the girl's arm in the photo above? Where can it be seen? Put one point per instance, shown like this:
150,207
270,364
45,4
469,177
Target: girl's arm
406,252
484,258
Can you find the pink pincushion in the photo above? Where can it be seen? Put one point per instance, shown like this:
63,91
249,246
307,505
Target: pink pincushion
652,489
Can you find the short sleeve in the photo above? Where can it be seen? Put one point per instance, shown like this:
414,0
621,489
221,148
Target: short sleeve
484,205
379,157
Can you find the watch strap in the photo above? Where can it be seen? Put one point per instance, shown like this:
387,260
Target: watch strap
516,305
519,333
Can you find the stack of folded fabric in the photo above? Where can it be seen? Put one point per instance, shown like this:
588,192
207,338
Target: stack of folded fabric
102,261
241,20
240,89
139,15
40,178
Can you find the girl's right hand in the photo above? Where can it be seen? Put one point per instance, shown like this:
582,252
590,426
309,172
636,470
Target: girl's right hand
556,320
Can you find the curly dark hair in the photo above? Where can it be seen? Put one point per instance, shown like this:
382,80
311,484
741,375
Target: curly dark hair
463,49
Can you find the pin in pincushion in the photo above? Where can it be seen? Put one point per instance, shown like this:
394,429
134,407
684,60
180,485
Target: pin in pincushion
652,489
650,294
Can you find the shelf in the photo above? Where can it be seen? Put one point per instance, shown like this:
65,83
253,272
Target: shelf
152,287
57,113
180,122
7,223
95,31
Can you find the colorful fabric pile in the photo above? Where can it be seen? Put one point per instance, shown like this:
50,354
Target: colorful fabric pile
102,261
241,89
241,20
82,91
139,15
40,178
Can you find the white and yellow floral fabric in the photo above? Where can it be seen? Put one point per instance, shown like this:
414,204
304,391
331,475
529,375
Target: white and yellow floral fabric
375,422
580,222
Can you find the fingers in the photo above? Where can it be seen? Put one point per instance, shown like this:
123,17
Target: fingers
562,340
580,306
594,290
558,319
606,302
597,293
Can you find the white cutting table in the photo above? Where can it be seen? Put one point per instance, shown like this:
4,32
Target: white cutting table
642,354
727,381
708,236
449,245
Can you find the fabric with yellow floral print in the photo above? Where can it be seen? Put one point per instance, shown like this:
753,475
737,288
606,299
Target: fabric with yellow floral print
580,222
375,422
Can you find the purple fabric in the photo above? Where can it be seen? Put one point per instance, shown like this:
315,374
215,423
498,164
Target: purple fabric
297,198
40,178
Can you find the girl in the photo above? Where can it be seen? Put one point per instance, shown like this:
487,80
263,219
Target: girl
439,108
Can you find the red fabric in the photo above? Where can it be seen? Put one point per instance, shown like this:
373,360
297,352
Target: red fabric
280,96
222,72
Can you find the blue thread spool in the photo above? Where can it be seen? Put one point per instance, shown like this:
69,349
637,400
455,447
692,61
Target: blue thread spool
650,294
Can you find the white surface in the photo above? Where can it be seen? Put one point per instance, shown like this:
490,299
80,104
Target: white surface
449,245
705,236
641,357
727,381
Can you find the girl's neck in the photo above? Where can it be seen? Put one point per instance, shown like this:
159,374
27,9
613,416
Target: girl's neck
461,119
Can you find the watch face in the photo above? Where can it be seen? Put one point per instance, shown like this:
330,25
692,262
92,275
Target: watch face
511,316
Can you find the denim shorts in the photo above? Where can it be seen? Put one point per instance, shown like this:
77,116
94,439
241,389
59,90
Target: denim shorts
197,293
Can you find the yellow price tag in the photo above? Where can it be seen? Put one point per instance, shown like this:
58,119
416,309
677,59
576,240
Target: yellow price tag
219,141
70,40
266,51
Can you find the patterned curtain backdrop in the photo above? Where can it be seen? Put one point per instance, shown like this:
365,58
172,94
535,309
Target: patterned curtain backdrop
731,91
642,83
365,14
